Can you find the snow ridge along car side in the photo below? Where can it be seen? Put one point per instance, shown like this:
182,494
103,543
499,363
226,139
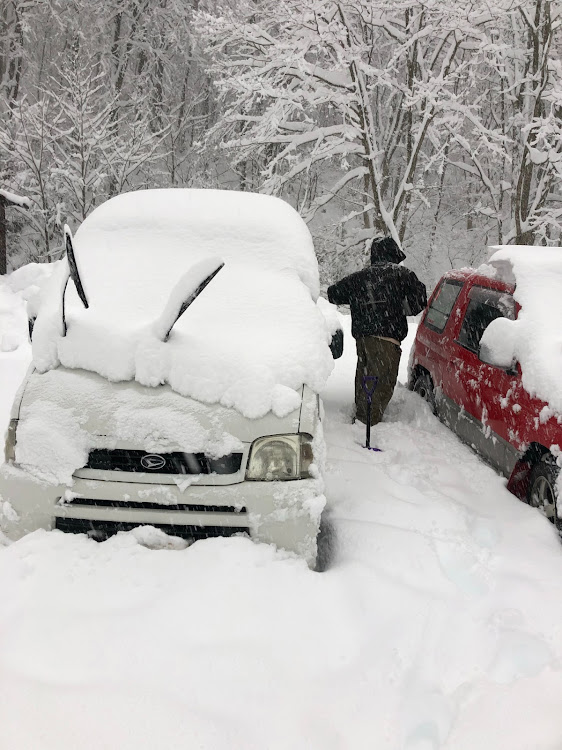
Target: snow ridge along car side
177,360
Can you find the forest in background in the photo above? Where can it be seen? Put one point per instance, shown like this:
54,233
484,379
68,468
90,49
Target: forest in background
438,122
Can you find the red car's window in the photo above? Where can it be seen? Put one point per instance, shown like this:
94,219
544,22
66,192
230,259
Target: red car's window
485,305
442,304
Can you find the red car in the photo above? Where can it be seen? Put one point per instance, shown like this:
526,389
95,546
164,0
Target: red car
484,403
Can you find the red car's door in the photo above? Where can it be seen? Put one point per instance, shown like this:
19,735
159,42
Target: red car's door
484,391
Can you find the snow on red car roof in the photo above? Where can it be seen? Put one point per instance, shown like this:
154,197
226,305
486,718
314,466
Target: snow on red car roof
537,272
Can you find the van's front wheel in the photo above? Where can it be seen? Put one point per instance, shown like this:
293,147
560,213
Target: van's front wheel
543,491
326,544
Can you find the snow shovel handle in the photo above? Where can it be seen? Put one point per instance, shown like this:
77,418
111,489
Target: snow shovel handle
370,383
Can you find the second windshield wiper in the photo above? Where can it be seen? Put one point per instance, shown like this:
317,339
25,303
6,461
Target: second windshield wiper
186,291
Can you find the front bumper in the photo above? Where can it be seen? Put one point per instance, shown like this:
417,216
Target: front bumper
286,514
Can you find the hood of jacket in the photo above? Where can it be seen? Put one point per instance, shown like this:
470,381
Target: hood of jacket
385,250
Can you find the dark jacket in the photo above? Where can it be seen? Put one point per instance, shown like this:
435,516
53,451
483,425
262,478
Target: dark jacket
381,295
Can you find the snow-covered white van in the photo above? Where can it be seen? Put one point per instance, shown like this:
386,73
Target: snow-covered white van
177,359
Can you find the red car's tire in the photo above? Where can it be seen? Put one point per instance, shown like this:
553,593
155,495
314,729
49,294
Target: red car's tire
423,386
543,487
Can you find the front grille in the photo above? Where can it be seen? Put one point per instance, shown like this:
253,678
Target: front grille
102,530
191,507
136,461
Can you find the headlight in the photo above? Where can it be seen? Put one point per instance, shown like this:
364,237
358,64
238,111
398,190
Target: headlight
280,457
10,445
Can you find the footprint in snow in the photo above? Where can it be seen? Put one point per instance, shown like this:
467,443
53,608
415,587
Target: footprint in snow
461,567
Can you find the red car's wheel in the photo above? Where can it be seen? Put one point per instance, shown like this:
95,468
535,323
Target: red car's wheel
423,386
543,488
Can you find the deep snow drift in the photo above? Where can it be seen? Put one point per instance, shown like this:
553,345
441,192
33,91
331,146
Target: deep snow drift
438,624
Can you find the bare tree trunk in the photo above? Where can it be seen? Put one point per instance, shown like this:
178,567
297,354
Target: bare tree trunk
3,254
409,121
16,59
435,225
366,217
540,36
11,53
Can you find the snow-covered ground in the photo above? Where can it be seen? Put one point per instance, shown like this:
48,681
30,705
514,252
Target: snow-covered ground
437,625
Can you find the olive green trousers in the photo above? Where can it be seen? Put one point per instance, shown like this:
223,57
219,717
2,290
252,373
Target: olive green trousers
379,358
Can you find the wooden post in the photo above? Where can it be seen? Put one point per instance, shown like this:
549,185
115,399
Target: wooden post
3,254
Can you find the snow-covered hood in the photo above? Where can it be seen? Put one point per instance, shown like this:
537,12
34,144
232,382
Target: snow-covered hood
250,341
63,414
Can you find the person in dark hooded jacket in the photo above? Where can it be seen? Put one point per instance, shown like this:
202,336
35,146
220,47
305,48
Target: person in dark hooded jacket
380,296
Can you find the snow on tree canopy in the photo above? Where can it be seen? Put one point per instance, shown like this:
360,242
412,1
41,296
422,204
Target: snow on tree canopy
538,335
16,200
249,341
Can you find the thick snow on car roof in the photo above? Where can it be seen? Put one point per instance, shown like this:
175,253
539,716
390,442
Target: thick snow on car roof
147,238
250,340
538,339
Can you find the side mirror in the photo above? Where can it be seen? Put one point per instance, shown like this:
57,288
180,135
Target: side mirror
336,344
497,345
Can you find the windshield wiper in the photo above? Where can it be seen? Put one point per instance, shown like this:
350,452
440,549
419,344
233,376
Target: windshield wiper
71,274
74,275
177,305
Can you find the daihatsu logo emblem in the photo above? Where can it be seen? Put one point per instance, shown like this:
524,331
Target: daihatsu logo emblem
153,461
